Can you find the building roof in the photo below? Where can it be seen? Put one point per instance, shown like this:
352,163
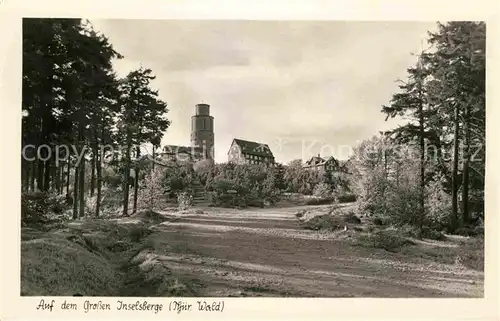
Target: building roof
319,161
253,148
172,149
315,160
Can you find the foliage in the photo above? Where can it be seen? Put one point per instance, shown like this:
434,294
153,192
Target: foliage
36,207
243,185
178,178
443,101
345,197
389,240
72,97
152,193
322,190
320,201
185,200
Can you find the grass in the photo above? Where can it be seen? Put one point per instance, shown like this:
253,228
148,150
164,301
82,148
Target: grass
90,258
56,266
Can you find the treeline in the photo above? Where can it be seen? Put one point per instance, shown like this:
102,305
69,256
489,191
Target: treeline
430,172
77,113
242,185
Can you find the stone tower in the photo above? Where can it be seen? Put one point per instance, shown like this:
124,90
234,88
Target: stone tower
202,130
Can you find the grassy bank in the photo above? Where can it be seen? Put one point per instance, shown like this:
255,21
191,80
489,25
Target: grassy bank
96,258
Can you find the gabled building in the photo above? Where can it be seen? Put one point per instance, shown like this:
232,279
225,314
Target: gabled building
317,163
247,152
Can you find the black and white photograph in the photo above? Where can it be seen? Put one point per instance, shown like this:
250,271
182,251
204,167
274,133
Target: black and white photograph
244,158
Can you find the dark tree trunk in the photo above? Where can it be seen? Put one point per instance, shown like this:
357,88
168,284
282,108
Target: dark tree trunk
68,172
47,174
75,191
81,179
465,174
62,178
454,171
57,182
40,176
32,176
126,177
136,180
99,183
81,188
422,167
92,174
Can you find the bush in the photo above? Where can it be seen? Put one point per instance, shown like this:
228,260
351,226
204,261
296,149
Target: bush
325,222
378,221
227,193
185,200
322,190
300,214
243,185
351,218
388,240
152,193
329,222
36,207
465,231
320,201
438,204
425,232
346,197
178,178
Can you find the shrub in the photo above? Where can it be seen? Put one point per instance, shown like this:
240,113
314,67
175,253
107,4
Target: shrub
388,240
322,190
320,201
345,197
300,214
178,178
152,194
36,207
465,231
227,193
438,204
351,218
329,222
270,192
243,185
425,232
324,222
185,200
378,221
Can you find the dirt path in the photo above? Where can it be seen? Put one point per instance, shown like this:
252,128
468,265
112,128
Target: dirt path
265,252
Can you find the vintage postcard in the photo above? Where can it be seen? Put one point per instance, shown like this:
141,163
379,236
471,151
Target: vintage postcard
170,160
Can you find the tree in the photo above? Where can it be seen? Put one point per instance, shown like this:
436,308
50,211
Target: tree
141,119
411,103
444,102
459,73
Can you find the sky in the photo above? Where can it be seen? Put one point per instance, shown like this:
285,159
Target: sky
302,87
